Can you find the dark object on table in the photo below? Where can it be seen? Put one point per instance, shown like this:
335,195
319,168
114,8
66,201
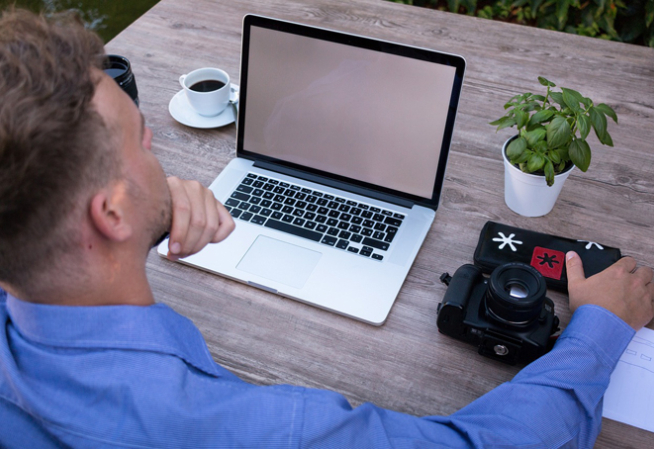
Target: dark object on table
500,244
507,315
119,68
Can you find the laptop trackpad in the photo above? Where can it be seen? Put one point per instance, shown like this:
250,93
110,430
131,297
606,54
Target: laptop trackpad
279,261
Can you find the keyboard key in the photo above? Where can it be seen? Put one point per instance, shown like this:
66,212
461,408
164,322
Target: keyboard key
378,235
343,225
345,217
244,206
355,228
255,209
301,232
334,213
344,208
366,214
366,231
289,201
244,189
284,184
279,198
262,178
287,209
309,215
277,215
379,226
246,216
375,243
357,220
327,240
294,187
352,249
276,206
266,203
340,200
333,231
365,252
247,181
252,175
273,181
298,212
266,212
305,190
342,244
310,224
328,197
393,221
391,230
351,203
356,238
322,202
311,199
387,213
344,235
241,196
288,218
332,205
321,228
375,209
268,187
255,200
368,223
301,204
232,202
312,207
355,211
363,206
377,256
257,184
236,212
378,217
318,194
289,193
321,218
330,222
279,189
268,196
301,196
258,219
323,210
299,221
389,238
398,216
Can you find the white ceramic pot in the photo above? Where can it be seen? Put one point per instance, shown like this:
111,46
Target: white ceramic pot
527,194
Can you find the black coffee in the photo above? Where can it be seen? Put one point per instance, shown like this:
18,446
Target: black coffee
207,86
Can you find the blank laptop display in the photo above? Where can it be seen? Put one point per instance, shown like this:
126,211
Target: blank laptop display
342,143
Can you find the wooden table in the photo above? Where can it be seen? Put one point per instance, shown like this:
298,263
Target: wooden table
404,365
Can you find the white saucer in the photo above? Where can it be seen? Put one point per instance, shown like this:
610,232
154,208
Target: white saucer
181,110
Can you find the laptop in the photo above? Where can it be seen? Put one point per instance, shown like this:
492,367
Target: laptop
342,142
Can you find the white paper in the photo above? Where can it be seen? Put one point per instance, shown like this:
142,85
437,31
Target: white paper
630,396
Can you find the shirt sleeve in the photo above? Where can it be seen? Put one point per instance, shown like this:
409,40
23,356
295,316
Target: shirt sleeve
554,402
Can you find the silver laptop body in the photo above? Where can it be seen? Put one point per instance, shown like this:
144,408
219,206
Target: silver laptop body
342,143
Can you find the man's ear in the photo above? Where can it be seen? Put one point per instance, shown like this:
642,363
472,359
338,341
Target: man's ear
108,212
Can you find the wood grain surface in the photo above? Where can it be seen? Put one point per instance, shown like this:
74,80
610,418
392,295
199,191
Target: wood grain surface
405,364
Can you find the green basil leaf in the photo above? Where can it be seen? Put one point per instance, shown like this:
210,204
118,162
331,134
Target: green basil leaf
541,116
524,157
535,163
545,82
606,140
541,146
570,100
587,102
558,98
521,117
535,136
554,156
538,98
607,110
574,93
558,132
598,121
580,154
516,148
548,169
583,124
503,122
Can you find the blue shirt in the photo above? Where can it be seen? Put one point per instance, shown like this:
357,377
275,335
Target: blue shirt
129,376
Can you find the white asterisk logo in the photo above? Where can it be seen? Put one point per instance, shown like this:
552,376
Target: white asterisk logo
590,244
507,241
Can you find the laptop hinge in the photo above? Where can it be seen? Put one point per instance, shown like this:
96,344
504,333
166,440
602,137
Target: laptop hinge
335,184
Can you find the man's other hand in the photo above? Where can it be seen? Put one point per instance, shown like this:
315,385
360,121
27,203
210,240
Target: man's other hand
622,288
198,218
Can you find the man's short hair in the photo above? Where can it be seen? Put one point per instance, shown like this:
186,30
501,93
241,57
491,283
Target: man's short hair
55,149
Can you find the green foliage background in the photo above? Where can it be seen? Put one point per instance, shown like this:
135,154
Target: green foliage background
624,21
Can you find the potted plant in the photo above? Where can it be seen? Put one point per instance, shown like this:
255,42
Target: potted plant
551,141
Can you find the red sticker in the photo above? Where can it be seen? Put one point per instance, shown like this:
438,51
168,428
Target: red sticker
548,262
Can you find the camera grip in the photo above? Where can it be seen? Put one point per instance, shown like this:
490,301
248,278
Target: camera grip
451,311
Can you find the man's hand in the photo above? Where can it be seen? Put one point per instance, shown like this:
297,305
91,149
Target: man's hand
622,288
198,218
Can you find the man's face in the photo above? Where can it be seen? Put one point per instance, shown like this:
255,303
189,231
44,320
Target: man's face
143,177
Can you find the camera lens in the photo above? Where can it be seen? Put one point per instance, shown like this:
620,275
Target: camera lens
515,294
119,68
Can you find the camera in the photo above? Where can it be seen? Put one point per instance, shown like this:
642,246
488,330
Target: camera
119,68
507,316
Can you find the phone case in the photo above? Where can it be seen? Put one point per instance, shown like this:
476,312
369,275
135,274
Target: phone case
500,243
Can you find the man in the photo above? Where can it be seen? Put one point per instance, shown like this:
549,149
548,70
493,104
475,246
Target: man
82,199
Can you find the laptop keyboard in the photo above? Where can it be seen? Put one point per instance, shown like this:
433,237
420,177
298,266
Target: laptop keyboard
355,227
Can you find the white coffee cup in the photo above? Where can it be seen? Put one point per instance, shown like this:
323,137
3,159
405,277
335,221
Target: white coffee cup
208,90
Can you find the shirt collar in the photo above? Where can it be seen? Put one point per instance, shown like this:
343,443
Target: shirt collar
154,328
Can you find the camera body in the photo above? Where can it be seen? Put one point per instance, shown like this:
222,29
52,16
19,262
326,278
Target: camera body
507,316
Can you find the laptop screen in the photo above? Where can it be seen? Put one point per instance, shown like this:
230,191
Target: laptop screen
371,112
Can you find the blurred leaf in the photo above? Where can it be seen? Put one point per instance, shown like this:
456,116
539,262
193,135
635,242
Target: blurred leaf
541,116
558,132
562,7
535,135
607,110
598,121
580,154
548,169
546,82
503,122
558,98
571,101
554,156
583,124
535,162
521,118
516,148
